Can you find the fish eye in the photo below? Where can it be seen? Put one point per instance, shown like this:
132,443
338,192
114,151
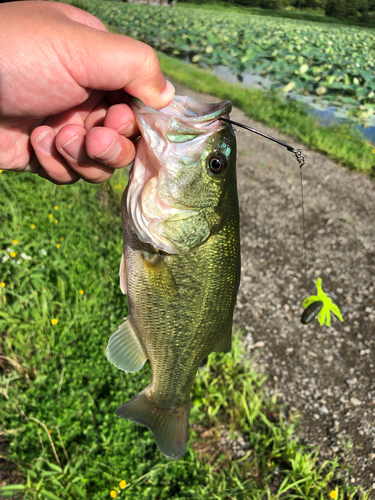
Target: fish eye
217,163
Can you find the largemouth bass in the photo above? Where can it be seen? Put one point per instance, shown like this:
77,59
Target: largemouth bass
181,263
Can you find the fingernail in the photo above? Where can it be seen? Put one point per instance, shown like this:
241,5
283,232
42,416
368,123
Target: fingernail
168,92
111,153
45,141
73,147
126,129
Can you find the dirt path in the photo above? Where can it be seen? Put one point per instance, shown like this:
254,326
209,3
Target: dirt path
327,374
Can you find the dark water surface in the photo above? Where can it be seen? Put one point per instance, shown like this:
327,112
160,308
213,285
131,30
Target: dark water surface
325,112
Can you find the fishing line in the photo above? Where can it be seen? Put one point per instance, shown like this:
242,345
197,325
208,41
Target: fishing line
303,227
301,162
297,152
313,310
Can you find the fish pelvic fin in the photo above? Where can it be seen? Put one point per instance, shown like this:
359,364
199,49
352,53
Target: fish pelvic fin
169,427
124,349
122,274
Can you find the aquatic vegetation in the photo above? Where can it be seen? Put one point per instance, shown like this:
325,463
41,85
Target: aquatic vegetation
313,58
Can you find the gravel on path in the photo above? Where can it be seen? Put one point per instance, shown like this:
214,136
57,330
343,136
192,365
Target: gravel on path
325,374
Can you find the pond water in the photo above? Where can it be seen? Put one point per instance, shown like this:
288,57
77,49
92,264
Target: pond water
324,110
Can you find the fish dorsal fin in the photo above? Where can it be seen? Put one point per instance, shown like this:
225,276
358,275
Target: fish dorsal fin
124,349
122,274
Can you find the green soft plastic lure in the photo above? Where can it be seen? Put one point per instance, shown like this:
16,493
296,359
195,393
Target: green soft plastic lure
322,311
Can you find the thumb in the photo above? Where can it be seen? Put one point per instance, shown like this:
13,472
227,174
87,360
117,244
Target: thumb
101,60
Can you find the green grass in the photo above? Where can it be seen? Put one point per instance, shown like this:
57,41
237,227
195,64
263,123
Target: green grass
291,118
59,392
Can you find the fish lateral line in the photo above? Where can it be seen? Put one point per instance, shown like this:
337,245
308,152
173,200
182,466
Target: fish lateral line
298,152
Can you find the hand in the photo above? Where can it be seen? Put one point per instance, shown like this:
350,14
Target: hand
64,86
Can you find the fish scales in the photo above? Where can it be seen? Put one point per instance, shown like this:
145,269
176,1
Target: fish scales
189,320
181,278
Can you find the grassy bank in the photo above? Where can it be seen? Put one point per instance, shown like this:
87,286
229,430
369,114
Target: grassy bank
60,249
339,143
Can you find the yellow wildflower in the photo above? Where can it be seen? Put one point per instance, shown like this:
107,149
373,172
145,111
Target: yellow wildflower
58,245
62,238
373,151
333,494
49,430
348,136
113,494
54,321
56,207
81,292
2,284
0,171
15,242
69,206
32,226
50,216
13,254
122,484
56,221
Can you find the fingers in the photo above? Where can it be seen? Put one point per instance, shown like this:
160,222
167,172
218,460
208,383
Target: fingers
48,163
85,142
75,144
74,153
70,143
97,116
94,105
121,118
106,146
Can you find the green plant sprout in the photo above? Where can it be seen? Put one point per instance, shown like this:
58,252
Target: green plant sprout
323,309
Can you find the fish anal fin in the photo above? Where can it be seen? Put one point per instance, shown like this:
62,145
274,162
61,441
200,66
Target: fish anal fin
122,274
225,342
169,427
124,349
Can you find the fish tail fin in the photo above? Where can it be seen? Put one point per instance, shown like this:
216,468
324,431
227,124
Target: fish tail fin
169,427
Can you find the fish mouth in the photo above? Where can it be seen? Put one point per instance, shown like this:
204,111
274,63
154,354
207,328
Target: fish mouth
173,136
181,121
183,111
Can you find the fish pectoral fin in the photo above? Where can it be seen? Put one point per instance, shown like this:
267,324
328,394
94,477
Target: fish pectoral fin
122,274
225,342
159,276
124,349
169,427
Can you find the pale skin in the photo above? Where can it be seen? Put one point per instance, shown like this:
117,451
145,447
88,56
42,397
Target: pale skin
64,86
